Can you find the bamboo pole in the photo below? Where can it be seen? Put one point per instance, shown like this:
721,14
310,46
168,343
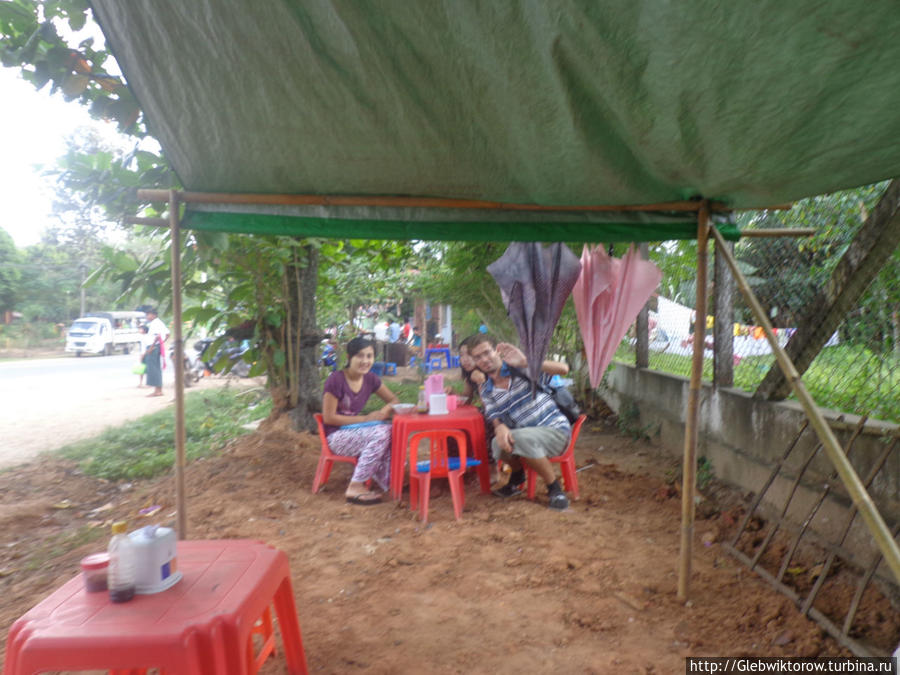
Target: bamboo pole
153,195
780,232
153,222
861,499
689,469
178,365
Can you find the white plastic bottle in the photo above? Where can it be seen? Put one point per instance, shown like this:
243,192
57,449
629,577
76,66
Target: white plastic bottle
122,565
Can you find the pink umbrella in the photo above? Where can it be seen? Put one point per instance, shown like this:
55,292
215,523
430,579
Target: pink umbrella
608,296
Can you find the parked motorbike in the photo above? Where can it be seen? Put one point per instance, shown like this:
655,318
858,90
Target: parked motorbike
193,366
329,356
232,352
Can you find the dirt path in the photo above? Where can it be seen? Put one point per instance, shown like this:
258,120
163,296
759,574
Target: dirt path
510,588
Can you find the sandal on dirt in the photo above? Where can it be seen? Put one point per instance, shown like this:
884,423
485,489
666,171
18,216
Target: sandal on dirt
365,499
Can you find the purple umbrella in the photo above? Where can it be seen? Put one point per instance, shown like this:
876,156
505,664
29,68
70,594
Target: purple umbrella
534,284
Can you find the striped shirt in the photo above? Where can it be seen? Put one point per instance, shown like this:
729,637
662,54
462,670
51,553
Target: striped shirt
517,405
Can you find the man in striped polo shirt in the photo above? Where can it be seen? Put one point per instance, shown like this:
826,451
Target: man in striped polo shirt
527,428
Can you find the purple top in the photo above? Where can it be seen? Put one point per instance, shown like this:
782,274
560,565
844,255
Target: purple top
350,402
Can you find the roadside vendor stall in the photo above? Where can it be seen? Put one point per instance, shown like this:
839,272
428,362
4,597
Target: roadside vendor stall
511,121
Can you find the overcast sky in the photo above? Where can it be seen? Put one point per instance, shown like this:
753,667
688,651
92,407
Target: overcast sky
34,126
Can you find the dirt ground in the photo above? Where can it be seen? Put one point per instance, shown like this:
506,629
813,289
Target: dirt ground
511,588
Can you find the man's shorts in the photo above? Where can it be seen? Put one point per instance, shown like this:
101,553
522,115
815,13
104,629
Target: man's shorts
536,442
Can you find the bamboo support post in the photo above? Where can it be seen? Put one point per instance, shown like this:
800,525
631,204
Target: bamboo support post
178,362
689,470
154,195
780,232
850,479
152,222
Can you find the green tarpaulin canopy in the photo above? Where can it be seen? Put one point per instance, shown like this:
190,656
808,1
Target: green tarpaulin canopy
563,103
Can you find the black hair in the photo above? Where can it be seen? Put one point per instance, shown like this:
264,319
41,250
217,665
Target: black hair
356,345
477,339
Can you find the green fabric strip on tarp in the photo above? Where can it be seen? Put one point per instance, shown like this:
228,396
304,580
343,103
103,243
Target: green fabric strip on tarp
487,230
552,103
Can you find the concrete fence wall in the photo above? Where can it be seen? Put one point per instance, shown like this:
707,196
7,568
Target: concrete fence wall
744,438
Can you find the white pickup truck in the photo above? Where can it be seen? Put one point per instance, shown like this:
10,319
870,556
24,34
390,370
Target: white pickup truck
104,332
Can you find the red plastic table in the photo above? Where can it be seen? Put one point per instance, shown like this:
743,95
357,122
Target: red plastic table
465,418
201,625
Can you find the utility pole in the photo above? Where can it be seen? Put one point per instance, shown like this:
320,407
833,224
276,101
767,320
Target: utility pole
83,268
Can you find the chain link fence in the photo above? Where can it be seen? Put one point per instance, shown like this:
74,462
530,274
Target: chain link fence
857,368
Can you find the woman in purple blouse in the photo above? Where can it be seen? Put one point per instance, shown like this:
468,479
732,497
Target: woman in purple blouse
366,437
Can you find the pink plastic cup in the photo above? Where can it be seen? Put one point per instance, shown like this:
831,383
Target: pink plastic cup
451,402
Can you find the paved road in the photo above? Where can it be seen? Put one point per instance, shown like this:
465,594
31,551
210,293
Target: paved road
46,403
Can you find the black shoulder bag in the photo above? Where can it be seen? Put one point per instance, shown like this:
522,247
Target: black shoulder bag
560,395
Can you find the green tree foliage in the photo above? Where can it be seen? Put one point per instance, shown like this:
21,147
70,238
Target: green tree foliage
788,272
33,42
10,272
358,273
456,273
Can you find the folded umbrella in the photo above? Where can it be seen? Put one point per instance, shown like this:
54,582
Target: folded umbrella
534,283
608,296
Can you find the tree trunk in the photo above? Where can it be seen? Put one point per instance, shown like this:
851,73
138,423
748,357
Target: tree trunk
642,325
308,388
723,328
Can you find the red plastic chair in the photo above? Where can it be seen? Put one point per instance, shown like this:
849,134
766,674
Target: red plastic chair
566,462
439,465
327,458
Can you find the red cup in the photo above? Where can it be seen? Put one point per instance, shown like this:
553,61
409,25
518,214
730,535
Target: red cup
93,570
451,402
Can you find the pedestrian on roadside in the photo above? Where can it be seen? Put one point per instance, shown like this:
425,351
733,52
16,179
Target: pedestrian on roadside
154,355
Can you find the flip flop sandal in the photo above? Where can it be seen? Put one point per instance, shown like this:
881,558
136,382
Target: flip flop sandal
364,500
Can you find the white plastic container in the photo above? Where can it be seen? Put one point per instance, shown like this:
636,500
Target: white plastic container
437,404
121,570
156,562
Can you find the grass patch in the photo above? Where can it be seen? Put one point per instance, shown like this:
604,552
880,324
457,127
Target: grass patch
145,447
60,544
848,378
407,392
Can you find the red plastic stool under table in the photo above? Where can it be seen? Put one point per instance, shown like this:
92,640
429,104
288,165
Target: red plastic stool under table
203,625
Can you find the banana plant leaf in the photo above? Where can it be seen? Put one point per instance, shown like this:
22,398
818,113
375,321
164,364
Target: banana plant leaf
535,282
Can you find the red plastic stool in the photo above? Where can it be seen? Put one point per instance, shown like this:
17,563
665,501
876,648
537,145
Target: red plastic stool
263,627
439,465
566,462
327,458
204,625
